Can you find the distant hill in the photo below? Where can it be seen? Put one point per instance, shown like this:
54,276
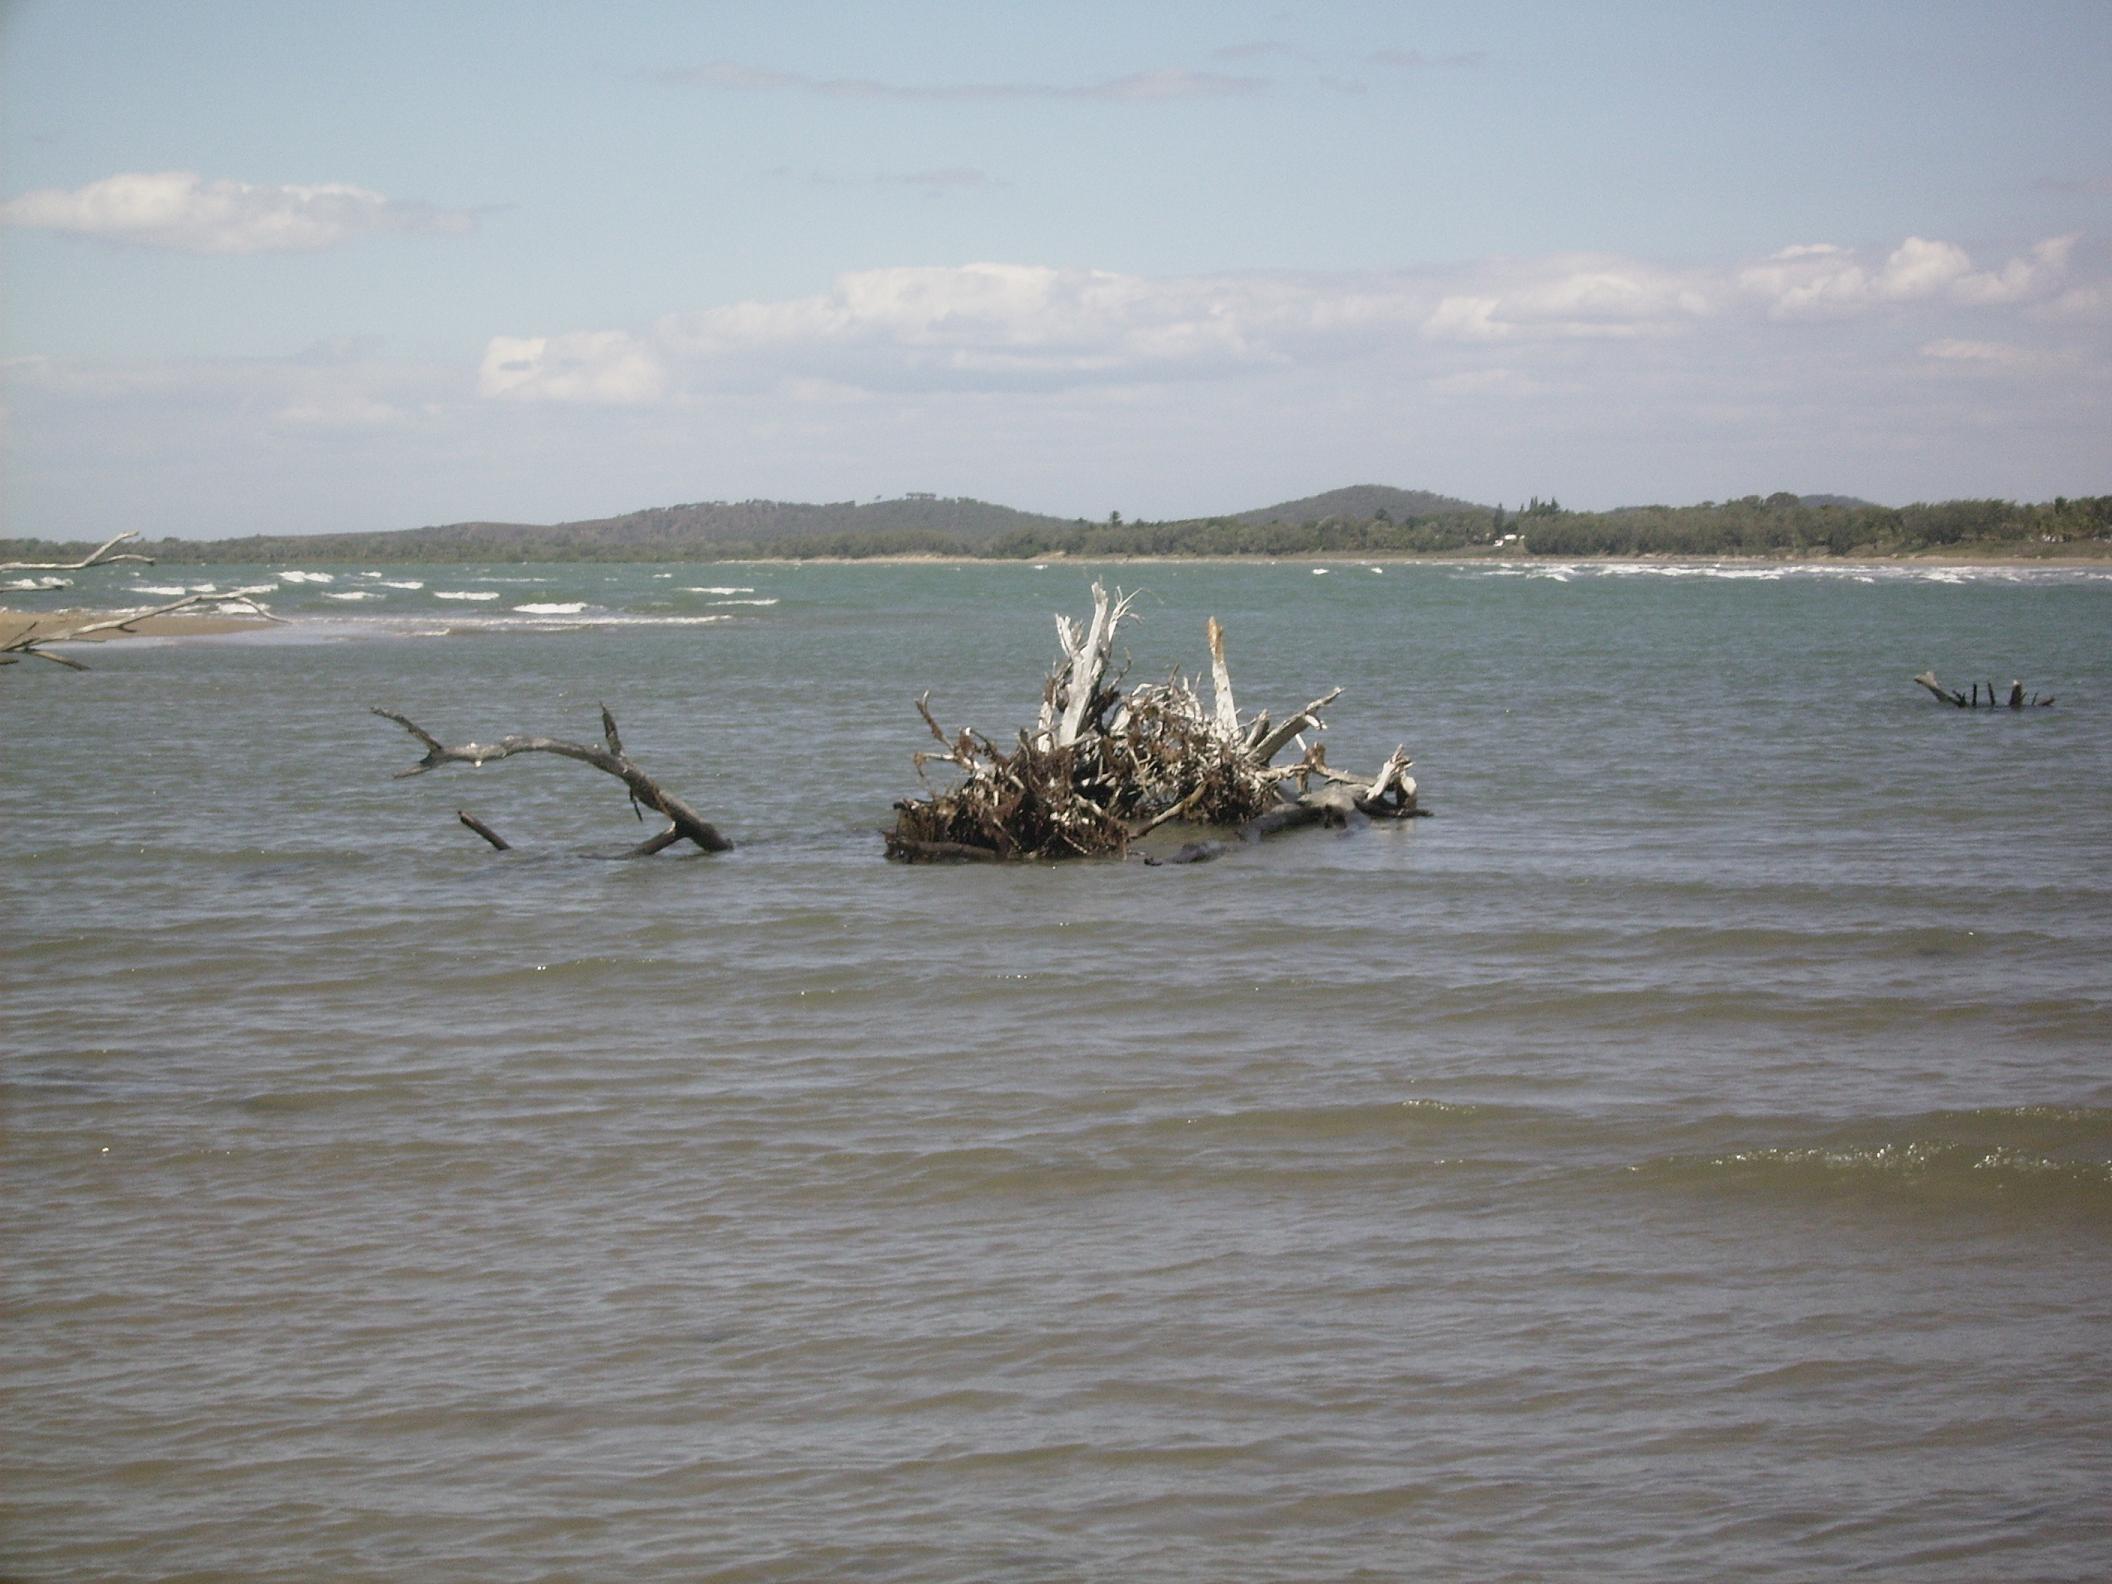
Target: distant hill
706,524
700,530
1360,503
1364,519
706,530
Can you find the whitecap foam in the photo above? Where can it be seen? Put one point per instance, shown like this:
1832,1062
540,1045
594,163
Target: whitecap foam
408,583
307,577
745,602
164,590
38,583
355,594
714,589
466,594
570,609
1319,571
511,622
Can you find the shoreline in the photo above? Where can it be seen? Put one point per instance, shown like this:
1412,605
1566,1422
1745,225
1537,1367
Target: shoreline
1397,558
15,623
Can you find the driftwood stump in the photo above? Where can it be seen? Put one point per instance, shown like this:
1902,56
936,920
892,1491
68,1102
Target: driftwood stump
1101,768
1973,700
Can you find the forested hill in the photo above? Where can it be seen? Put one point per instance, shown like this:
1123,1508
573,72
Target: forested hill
1368,519
1361,503
945,521
699,531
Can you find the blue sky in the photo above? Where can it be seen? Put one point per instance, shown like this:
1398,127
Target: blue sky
279,268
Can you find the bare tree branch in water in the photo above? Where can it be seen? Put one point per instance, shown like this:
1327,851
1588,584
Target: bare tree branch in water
684,822
2015,700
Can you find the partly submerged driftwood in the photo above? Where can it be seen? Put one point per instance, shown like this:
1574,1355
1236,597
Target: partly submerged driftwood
684,822
2015,699
1101,768
30,641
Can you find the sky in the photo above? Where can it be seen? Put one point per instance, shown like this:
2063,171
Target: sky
271,268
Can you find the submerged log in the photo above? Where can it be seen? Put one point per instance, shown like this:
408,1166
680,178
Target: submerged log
471,822
1101,768
2015,698
684,822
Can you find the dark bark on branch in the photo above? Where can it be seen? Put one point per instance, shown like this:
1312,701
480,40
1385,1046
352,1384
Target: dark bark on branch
498,842
684,822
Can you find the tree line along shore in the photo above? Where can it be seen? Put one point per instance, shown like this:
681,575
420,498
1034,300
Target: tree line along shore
1363,521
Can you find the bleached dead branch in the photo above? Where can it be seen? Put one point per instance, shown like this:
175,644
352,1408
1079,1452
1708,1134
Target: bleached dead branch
99,556
1100,770
31,641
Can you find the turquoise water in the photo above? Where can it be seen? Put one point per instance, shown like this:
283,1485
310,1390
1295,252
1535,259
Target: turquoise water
1689,1153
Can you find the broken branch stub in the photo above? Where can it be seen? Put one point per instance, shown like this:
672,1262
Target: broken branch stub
684,822
1100,769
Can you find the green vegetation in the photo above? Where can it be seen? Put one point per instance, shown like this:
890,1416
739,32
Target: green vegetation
1783,525
1365,520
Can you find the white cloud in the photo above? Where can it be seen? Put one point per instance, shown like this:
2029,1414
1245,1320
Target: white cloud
182,211
1920,268
1000,326
1467,319
1008,324
1989,356
1572,297
1609,375
606,367
339,412
2024,279
2086,304
1822,281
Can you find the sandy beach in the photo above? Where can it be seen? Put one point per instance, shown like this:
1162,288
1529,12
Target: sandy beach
14,624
